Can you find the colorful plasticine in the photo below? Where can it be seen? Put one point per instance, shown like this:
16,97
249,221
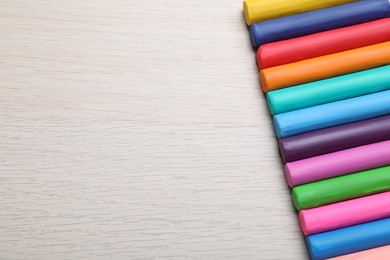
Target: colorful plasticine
341,188
318,21
345,214
323,43
349,240
329,90
336,164
327,66
334,139
332,114
261,10
379,253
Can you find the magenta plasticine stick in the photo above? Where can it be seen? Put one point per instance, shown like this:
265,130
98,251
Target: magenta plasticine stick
339,163
345,214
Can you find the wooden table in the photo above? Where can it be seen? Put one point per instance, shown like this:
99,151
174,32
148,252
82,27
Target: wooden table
136,130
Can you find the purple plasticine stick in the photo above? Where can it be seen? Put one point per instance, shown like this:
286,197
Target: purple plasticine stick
335,139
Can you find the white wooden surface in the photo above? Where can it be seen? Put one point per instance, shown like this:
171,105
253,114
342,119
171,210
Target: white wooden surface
136,130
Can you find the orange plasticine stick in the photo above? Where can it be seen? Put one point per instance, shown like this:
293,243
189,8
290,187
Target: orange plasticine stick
325,66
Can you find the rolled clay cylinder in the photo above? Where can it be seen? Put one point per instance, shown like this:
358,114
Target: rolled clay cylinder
329,90
341,188
261,10
332,114
327,66
318,21
372,254
345,214
349,240
334,139
336,164
323,43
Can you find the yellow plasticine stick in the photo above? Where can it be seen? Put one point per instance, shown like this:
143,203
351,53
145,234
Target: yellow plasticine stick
261,10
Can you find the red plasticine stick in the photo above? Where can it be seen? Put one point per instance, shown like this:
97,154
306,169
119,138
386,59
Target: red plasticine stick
324,43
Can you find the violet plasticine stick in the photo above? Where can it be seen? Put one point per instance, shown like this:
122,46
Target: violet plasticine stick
339,163
335,139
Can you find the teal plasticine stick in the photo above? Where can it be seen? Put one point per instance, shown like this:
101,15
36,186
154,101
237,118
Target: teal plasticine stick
329,90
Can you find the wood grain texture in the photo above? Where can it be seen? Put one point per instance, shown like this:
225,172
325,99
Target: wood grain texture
136,130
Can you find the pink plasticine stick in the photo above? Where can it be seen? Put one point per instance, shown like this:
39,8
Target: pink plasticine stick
339,163
345,214
372,254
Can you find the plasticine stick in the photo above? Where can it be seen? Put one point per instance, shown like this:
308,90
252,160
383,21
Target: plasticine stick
335,139
341,188
261,10
339,163
349,240
372,254
329,90
318,21
332,114
323,43
344,214
323,67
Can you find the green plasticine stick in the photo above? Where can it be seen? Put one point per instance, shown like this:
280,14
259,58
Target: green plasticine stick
329,90
341,188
